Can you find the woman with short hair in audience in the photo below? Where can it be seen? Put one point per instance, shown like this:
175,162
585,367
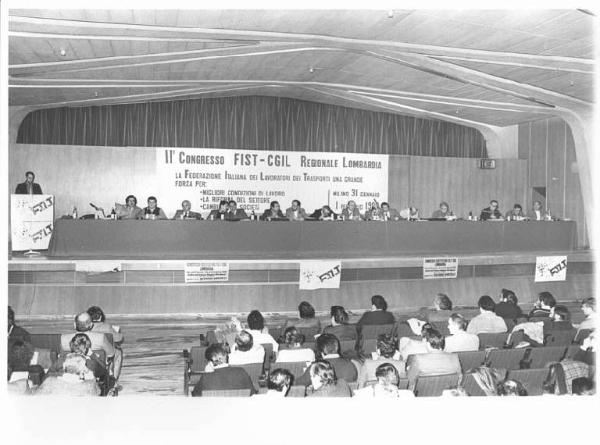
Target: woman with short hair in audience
508,306
588,307
339,325
307,317
378,313
387,352
386,385
324,381
295,351
542,307
583,386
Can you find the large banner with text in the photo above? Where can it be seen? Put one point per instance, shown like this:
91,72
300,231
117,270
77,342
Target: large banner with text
254,178
31,221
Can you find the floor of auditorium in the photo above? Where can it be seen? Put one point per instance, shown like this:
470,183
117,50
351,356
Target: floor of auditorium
152,350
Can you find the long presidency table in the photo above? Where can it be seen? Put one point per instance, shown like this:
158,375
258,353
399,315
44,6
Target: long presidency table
98,239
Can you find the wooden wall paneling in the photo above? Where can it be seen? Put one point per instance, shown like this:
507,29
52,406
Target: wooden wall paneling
399,181
537,154
572,194
556,167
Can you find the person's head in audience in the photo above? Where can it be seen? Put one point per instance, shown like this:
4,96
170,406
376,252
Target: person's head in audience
386,345
456,324
546,300
295,205
486,304
378,303
186,206
583,386
280,381
588,306
322,374
11,317
19,356
83,322
306,311
217,354
75,364
511,388
80,344
426,329
292,337
326,345
131,201
244,341
97,314
508,296
275,207
326,211
560,313
152,202
256,321
435,341
339,315
517,210
442,302
387,376
223,206
232,206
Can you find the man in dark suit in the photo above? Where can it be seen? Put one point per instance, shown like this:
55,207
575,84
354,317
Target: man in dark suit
273,212
220,213
378,313
28,187
296,212
223,376
235,214
185,212
491,212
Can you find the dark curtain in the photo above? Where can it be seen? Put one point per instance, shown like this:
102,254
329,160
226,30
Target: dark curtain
250,122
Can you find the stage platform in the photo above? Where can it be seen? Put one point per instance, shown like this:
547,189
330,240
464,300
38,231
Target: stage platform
45,287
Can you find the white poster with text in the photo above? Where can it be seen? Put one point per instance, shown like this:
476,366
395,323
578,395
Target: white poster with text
254,178
320,274
550,268
206,272
434,268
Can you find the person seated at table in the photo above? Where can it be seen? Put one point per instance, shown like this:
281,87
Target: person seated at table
443,212
100,325
324,214
130,210
543,306
235,214
374,212
537,212
77,380
295,350
388,213
296,212
279,383
459,340
508,306
351,212
306,311
409,213
387,352
487,321
222,376
153,211
186,212
491,212
273,212
516,214
339,325
386,385
378,313
245,351
219,213
325,382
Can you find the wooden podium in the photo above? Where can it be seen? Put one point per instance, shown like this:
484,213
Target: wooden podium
31,222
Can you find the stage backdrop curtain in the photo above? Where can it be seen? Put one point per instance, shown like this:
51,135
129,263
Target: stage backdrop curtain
250,122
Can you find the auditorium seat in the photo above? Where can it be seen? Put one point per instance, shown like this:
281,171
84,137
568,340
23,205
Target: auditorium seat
254,370
368,346
347,346
296,368
402,383
309,332
227,393
572,350
269,355
46,341
402,329
373,331
211,337
531,379
536,319
470,359
541,357
275,332
194,363
581,335
434,385
492,340
297,391
471,386
506,358
559,338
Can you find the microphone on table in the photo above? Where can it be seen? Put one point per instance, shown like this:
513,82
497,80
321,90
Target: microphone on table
95,208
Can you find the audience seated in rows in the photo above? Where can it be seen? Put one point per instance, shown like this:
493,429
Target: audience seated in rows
256,327
324,382
508,306
307,317
328,348
99,324
83,323
77,379
295,350
435,362
339,325
387,352
460,340
386,385
378,314
543,306
487,320
245,351
222,375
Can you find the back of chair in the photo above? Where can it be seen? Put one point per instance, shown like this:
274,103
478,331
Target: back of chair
275,332
197,359
532,379
510,323
297,391
309,332
402,383
471,386
211,337
402,329
492,340
227,393
506,358
269,355
541,357
536,319
559,337
434,385
369,345
347,345
571,351
46,341
581,335
296,368
373,331
470,359
254,370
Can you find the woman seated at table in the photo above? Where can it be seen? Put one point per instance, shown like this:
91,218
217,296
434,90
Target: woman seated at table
516,214
444,212
295,351
324,214
128,211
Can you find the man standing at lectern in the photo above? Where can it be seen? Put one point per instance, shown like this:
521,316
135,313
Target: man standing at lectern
28,187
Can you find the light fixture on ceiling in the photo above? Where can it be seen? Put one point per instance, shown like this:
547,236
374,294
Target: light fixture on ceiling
62,52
